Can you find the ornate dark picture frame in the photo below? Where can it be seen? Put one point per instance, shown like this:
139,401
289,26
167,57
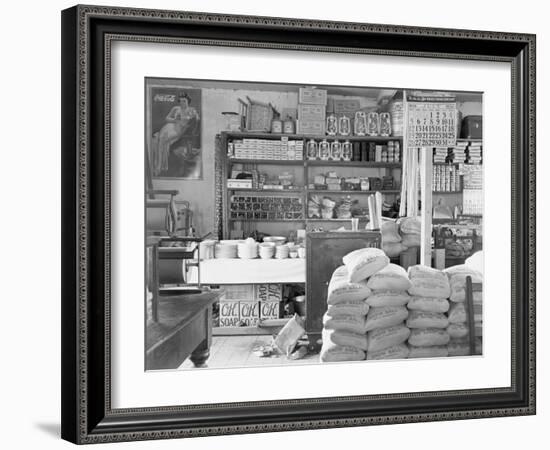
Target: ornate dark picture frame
87,35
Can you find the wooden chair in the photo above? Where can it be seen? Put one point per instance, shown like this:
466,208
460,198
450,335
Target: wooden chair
470,289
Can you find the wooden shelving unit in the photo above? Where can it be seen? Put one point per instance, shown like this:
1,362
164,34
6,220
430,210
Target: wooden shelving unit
327,191
302,167
366,164
255,135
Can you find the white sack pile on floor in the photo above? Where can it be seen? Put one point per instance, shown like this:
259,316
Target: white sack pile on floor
377,310
427,319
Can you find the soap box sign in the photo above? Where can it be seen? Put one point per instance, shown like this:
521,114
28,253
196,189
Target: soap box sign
269,310
269,292
250,313
239,313
229,314
432,124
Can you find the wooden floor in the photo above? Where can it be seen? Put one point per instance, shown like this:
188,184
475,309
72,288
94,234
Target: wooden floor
237,351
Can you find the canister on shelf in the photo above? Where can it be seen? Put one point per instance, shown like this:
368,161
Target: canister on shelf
277,125
289,126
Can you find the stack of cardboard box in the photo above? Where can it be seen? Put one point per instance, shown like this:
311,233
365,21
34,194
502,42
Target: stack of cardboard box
312,105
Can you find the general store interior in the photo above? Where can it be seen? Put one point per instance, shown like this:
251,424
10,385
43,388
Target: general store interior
292,176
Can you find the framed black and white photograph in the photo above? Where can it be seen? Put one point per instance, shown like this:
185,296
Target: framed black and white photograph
287,224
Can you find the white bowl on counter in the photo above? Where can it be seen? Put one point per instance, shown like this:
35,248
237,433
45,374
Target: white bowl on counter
247,250
277,240
266,250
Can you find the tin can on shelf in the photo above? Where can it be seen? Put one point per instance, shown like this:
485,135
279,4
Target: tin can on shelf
277,126
289,126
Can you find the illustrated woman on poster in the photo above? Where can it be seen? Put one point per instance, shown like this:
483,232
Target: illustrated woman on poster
178,121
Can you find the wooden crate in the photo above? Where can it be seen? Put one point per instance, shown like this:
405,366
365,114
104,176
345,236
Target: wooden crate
259,116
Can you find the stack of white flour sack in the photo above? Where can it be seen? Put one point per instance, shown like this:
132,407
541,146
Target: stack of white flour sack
427,307
387,332
366,309
458,313
344,332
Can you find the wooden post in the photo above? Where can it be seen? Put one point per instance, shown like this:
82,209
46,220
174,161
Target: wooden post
426,173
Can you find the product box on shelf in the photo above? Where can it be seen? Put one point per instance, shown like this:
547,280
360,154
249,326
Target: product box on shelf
235,292
269,310
249,313
229,314
345,106
239,184
312,96
311,112
315,127
269,292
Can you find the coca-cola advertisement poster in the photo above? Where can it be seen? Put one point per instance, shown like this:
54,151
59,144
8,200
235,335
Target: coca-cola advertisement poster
174,132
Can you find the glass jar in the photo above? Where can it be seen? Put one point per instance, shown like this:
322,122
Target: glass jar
360,123
312,150
344,126
373,124
335,151
324,150
332,125
347,151
385,124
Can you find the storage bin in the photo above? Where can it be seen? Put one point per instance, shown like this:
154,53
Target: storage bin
471,127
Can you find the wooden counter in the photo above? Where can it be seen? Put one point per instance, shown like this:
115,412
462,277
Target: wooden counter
183,330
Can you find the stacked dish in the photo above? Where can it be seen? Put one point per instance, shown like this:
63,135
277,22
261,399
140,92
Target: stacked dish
226,249
282,251
206,249
267,250
247,249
